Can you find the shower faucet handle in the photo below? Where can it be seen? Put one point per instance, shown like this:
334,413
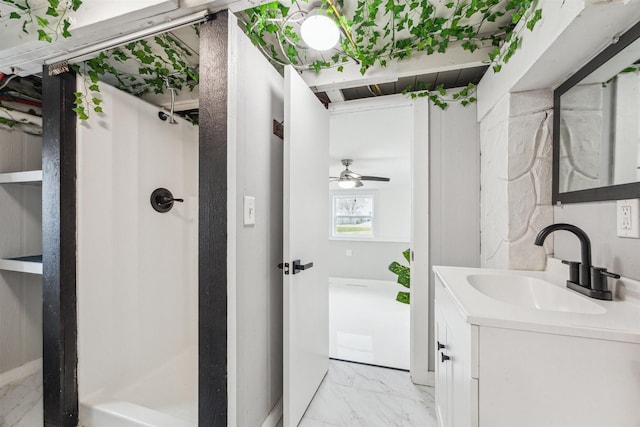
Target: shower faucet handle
162,200
166,200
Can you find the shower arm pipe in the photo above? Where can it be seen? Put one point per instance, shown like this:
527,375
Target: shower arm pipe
88,52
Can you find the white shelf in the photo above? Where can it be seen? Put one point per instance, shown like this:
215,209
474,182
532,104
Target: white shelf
27,177
32,265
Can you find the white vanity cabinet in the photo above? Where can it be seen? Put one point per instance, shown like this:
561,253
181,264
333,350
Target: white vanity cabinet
496,370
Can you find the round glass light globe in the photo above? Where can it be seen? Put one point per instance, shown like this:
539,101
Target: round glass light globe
320,32
347,183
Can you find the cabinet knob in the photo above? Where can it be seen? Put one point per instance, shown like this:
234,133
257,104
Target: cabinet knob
440,346
444,357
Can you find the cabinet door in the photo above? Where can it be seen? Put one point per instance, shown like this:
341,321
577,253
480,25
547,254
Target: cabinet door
443,407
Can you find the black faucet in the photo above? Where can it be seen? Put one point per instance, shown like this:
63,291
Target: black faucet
583,277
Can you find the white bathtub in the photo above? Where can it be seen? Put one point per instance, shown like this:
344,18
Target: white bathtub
367,324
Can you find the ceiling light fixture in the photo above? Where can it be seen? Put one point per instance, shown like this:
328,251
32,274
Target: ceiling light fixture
346,183
320,32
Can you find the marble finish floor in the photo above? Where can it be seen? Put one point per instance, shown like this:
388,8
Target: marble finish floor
21,402
355,395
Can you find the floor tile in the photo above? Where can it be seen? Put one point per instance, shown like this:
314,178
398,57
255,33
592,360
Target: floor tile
354,395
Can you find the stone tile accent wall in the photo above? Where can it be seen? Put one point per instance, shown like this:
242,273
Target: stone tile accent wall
516,153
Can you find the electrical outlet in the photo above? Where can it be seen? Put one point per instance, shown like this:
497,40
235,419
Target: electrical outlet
349,252
628,218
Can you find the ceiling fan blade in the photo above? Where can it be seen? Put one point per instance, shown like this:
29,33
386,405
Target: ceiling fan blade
334,178
375,178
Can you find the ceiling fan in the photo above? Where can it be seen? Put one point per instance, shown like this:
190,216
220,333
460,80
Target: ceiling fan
350,179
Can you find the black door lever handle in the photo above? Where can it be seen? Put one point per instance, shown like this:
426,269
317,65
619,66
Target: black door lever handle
298,266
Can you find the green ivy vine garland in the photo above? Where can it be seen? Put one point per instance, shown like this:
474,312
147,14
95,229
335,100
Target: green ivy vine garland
161,62
410,26
11,122
50,25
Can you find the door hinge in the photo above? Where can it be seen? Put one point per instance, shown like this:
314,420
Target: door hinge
278,129
284,266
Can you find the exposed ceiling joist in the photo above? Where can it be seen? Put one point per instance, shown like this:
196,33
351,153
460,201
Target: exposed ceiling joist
455,58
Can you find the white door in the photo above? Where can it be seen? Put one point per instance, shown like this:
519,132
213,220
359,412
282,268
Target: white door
306,227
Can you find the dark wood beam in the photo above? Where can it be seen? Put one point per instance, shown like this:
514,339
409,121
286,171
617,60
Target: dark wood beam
60,355
212,262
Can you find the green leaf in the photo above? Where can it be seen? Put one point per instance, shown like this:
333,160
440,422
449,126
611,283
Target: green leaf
96,101
82,115
404,297
52,12
403,272
98,109
75,4
43,36
14,15
534,19
65,29
42,22
407,255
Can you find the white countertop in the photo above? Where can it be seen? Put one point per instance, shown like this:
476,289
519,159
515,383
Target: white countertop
620,322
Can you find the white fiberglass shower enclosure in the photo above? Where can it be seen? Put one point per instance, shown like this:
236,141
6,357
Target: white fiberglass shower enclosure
137,274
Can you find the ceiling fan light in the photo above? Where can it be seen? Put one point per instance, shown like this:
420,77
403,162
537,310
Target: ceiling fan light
347,183
320,32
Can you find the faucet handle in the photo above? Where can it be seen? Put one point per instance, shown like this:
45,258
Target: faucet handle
609,274
599,279
574,270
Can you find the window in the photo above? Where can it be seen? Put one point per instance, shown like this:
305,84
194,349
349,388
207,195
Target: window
352,216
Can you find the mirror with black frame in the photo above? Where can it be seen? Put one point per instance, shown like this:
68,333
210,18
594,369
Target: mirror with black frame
596,133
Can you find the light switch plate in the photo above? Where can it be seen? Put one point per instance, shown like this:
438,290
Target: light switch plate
249,210
628,218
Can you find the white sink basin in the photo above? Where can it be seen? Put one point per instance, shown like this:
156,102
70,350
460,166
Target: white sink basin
528,292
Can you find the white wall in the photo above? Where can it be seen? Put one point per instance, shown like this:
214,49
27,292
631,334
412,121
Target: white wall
364,260
377,135
20,235
454,192
255,163
137,268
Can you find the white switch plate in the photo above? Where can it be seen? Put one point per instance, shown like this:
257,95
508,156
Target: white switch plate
249,210
628,218
349,252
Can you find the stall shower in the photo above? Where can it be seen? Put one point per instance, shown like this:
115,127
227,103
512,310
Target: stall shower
137,266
